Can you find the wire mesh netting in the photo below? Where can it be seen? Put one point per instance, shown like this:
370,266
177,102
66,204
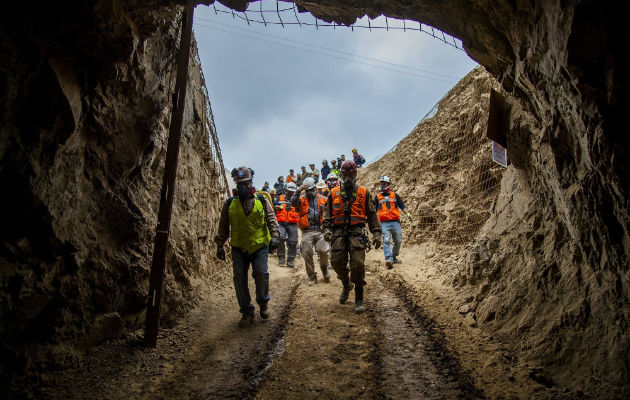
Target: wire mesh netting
283,13
444,168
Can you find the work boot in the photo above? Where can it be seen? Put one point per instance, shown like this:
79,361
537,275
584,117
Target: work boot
246,320
281,261
326,274
397,261
345,292
312,281
264,311
358,300
389,264
290,264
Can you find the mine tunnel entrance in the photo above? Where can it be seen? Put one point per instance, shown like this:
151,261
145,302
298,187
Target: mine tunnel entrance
464,143
464,152
517,289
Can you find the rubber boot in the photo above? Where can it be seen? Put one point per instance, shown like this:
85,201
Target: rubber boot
345,292
246,320
358,300
264,311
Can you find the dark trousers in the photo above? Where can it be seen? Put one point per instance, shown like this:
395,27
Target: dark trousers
240,265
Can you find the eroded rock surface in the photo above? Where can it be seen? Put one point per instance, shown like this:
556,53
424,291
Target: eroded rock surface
85,114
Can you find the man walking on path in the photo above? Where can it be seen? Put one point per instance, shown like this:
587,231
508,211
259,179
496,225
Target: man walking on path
313,173
389,206
291,177
334,169
348,209
250,223
358,159
287,220
279,186
309,204
325,170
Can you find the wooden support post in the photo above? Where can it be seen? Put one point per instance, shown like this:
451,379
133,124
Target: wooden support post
158,265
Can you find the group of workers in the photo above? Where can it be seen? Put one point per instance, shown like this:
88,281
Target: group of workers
333,214
326,172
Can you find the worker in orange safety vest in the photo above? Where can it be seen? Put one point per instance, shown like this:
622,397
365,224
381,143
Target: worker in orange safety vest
347,212
287,217
390,206
310,204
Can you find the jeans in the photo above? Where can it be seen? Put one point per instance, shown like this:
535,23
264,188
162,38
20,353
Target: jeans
391,229
240,265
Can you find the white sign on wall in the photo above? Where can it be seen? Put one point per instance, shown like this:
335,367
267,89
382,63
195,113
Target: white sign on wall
499,154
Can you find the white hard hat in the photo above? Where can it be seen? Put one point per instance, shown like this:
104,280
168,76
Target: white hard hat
385,178
309,182
332,176
321,185
291,187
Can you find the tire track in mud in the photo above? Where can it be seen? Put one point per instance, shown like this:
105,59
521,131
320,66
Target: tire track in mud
388,352
231,365
437,348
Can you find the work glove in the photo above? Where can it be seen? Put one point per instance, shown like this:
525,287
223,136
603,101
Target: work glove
221,253
328,237
377,242
274,243
409,217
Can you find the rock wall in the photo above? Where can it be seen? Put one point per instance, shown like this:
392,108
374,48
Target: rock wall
85,112
552,265
443,169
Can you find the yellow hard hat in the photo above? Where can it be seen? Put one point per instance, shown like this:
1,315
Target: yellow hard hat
354,150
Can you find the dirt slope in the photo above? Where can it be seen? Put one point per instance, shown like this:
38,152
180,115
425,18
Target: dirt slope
517,271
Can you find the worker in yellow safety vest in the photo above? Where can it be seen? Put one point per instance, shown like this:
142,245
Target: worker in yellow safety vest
250,223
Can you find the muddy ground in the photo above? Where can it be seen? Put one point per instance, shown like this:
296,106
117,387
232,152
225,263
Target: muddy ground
411,343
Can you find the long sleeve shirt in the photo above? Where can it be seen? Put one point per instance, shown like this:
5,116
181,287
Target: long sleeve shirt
325,172
313,210
370,211
280,187
223,232
314,173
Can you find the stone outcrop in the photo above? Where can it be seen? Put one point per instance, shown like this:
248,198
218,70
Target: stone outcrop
443,169
85,113
551,265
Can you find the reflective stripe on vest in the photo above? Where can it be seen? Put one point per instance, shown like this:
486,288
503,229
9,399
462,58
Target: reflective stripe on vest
358,213
293,216
387,212
250,232
282,214
303,214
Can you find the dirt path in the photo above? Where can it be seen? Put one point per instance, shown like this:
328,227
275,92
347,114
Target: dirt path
331,352
313,347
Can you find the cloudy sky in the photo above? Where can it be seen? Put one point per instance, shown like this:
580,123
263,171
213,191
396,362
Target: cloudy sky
286,97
